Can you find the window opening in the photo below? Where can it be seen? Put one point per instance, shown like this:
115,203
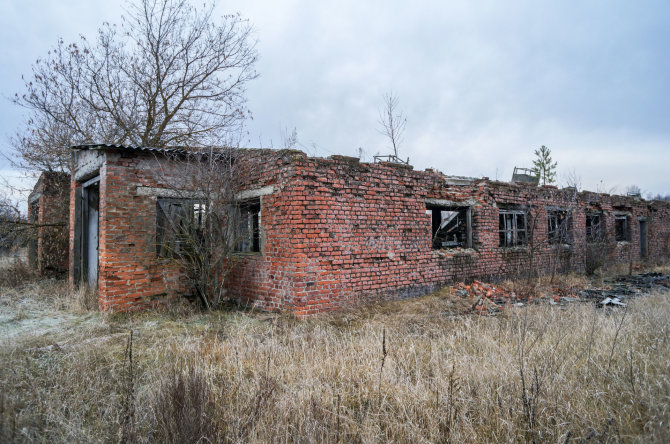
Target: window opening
594,228
558,230
248,232
622,228
512,228
450,227
179,225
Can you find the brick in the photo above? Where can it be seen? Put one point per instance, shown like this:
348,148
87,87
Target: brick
339,232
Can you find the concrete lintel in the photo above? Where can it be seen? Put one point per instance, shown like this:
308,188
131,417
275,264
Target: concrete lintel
449,203
88,164
34,197
250,194
558,208
168,192
91,181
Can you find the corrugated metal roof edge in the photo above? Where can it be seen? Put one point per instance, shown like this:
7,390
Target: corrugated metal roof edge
175,149
106,146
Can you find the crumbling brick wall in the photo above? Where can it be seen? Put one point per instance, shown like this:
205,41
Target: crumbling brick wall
353,231
336,231
48,205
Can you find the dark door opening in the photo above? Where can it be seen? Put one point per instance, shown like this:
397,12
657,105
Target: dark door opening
90,199
643,239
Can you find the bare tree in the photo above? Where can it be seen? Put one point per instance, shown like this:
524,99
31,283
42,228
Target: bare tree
658,196
13,226
573,180
392,122
290,140
207,220
169,75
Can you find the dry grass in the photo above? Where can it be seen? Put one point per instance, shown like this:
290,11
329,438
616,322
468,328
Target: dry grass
14,272
536,373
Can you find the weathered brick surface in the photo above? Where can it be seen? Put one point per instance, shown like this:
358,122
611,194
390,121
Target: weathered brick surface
47,208
351,231
337,231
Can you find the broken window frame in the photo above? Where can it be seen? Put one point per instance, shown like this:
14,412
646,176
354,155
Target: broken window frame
247,222
511,232
594,225
179,225
622,233
559,227
440,227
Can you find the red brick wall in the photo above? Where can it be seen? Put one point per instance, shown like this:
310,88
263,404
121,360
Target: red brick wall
74,185
340,232
51,194
130,274
337,231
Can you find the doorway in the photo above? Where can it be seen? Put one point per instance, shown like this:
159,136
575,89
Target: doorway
643,239
90,208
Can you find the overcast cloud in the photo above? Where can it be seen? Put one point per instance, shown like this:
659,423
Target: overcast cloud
482,83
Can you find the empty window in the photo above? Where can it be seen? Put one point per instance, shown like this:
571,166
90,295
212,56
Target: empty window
622,228
558,229
248,233
179,224
512,228
450,227
594,228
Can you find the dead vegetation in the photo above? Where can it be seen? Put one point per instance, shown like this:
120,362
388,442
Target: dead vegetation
14,273
412,371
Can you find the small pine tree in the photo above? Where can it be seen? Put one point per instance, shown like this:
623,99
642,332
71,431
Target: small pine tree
544,166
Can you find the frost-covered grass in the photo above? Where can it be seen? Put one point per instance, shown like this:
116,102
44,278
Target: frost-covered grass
535,373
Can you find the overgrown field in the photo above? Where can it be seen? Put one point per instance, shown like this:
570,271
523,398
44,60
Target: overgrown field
412,371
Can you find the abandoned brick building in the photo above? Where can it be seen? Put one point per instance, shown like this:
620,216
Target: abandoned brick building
328,232
48,205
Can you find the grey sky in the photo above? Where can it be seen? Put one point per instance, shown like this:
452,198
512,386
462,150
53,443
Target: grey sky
482,83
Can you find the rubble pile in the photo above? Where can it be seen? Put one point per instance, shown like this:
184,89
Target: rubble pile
489,299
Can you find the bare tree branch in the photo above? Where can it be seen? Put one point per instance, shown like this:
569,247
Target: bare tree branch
392,121
170,74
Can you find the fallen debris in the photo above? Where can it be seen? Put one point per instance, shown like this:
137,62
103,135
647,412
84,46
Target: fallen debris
612,301
490,299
